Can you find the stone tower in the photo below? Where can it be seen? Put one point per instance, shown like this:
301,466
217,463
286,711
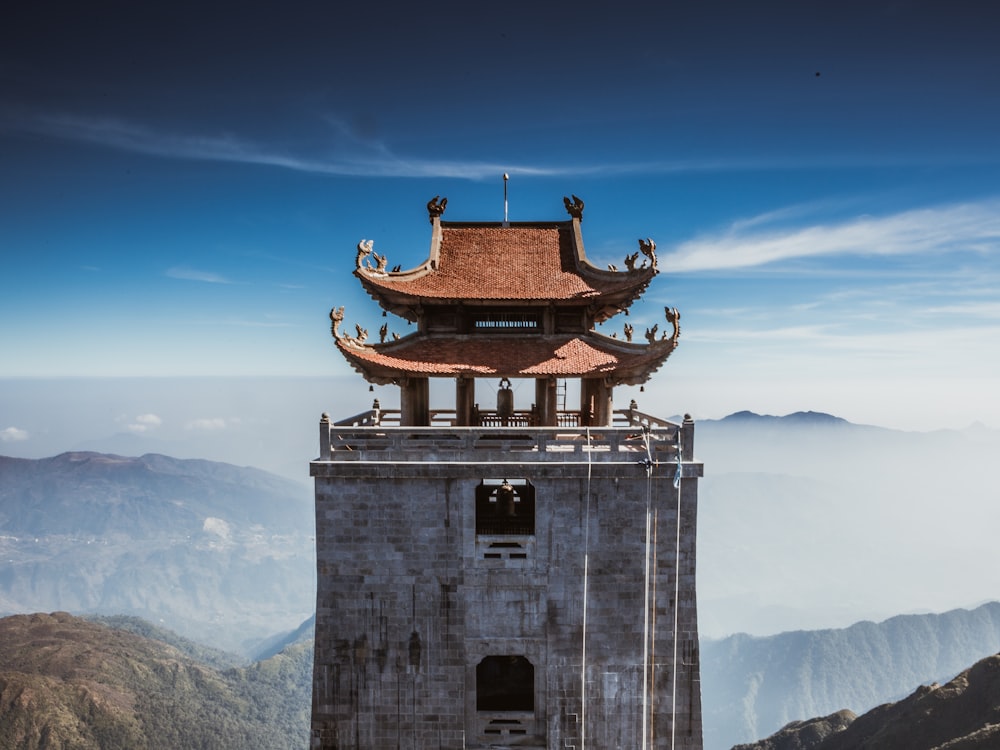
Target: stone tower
495,575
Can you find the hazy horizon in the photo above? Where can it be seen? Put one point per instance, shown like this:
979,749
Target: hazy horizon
263,421
796,530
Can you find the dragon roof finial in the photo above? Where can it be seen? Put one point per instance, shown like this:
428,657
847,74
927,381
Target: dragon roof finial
434,208
648,248
574,208
364,250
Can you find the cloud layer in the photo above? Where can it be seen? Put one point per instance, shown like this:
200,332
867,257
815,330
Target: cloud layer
13,435
970,227
354,156
144,423
192,274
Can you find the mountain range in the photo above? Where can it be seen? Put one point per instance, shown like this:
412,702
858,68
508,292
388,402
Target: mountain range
220,553
752,686
963,714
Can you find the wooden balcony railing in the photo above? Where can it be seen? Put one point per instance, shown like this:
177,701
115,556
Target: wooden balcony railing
486,418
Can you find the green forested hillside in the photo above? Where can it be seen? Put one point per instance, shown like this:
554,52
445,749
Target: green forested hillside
69,682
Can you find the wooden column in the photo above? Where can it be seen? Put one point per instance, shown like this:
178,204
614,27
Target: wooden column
414,402
596,408
545,401
465,398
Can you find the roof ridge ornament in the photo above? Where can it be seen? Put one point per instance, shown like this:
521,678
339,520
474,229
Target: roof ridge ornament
364,250
435,209
574,208
362,261
648,248
336,318
673,316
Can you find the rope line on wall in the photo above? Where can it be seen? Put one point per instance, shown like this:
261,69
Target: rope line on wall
586,572
678,473
645,613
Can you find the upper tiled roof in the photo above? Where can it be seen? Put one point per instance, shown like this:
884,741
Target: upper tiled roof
517,262
507,356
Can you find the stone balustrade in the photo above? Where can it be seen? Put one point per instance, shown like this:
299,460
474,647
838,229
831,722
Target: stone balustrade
635,438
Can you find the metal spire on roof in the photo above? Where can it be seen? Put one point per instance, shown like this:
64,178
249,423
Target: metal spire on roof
505,178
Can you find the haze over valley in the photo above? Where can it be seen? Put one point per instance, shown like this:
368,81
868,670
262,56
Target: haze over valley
804,522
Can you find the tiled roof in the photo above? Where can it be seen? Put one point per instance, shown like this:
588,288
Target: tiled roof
516,262
489,356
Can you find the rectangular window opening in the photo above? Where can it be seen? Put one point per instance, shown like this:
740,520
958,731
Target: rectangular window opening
505,508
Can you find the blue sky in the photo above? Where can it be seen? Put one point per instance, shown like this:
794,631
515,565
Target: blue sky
182,189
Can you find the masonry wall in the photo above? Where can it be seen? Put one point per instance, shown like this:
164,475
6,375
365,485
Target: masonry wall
410,601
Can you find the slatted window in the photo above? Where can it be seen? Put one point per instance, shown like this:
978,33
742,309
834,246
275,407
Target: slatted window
506,321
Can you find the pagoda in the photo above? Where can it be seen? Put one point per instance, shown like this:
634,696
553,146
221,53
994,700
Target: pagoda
503,576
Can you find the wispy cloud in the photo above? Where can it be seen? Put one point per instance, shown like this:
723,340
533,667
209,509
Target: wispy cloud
981,310
13,435
359,160
353,154
144,423
971,227
194,274
247,323
207,424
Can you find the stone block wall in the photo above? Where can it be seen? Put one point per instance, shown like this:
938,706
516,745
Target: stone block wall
410,603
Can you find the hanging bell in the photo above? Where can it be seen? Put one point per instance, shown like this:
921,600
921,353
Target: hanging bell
505,500
505,400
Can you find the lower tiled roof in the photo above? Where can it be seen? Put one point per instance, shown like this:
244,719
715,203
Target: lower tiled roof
586,355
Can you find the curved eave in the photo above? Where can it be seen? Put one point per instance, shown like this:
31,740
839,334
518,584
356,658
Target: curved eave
610,305
584,356
608,297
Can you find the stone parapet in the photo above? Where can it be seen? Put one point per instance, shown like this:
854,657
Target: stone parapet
661,445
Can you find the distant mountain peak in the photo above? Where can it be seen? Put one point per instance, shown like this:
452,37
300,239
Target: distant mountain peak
798,417
815,417
745,414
